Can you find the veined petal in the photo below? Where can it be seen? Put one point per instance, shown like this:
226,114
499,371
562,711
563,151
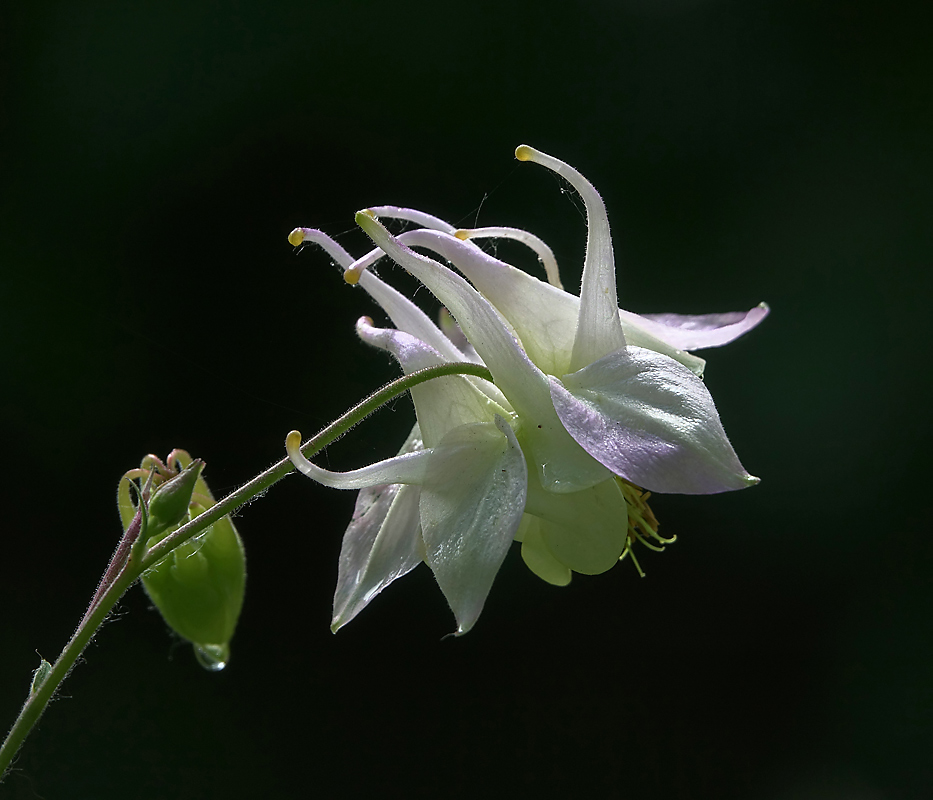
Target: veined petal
585,530
381,544
598,329
441,404
694,332
406,468
404,313
544,317
536,555
471,505
651,421
643,336
451,330
409,318
562,465
544,253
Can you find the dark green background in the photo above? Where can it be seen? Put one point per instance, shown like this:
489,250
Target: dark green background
154,157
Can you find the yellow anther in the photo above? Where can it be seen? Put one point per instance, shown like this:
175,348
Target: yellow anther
296,237
524,153
293,444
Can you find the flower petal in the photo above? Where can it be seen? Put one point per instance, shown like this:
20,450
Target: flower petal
413,215
381,544
409,318
598,329
694,332
538,558
405,468
544,317
584,530
441,404
562,465
651,421
330,246
471,505
544,253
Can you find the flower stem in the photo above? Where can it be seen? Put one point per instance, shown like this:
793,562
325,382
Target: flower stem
116,581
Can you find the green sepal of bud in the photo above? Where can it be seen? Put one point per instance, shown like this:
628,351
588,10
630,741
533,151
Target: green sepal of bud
198,587
169,505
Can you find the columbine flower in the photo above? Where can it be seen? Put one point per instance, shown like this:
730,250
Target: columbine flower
591,407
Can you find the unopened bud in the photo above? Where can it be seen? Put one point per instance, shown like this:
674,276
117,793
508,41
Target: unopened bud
169,505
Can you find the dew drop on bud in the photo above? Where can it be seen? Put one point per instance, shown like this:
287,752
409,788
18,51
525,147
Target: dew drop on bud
213,657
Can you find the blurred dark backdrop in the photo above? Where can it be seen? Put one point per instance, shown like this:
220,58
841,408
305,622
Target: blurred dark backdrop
154,157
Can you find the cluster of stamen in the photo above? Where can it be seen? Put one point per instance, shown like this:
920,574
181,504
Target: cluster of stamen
642,524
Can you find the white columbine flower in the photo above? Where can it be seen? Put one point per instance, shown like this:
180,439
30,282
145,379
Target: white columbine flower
591,406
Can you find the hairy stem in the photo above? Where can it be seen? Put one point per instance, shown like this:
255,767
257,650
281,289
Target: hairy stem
116,581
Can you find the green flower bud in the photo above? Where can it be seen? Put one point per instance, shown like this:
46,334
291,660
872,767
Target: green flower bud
169,505
199,586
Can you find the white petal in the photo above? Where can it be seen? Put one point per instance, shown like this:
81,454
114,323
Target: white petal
409,318
643,336
413,215
441,404
694,332
598,329
471,505
331,247
650,420
406,468
562,465
544,253
544,317
381,544
583,530
538,557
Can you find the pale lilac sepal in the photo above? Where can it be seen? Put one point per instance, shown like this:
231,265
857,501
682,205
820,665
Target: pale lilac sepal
696,331
649,420
381,544
472,501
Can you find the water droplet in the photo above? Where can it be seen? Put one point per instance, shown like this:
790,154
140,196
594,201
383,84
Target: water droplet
213,657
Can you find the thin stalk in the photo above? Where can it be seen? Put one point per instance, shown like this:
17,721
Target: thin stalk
117,579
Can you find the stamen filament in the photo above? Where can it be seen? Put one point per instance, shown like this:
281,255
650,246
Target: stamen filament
648,544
